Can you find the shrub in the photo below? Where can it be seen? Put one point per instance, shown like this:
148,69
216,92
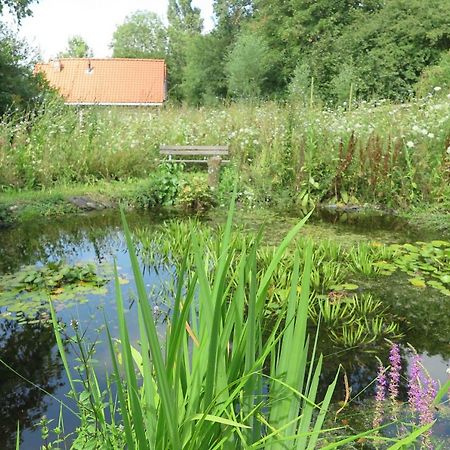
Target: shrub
195,195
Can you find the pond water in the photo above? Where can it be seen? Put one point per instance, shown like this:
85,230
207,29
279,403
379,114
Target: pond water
35,382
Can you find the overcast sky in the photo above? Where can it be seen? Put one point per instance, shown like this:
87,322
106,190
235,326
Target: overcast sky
55,21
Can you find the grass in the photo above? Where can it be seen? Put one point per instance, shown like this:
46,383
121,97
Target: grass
219,378
389,154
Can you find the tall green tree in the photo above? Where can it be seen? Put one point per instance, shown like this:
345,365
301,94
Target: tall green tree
391,47
247,66
77,47
18,86
231,15
184,23
203,79
142,35
21,8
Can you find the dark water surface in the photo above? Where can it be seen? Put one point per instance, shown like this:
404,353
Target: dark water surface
31,391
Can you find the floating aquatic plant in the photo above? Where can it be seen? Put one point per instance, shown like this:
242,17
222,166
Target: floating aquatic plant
25,293
427,264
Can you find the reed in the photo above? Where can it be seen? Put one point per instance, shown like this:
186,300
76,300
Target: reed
219,378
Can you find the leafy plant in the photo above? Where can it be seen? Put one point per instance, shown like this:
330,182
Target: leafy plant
427,263
25,292
195,195
351,320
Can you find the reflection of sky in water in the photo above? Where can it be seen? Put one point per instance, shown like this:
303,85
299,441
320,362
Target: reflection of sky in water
86,240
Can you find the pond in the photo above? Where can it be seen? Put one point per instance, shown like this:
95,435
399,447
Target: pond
34,383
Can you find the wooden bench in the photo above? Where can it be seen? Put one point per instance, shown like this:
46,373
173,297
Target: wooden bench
210,154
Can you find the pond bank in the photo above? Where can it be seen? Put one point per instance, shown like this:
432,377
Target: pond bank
19,206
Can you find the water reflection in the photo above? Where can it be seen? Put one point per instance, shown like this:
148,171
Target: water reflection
29,350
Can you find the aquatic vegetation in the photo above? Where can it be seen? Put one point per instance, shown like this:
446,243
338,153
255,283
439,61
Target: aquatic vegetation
25,293
427,263
350,320
236,387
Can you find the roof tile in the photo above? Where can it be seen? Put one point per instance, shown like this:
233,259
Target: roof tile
111,81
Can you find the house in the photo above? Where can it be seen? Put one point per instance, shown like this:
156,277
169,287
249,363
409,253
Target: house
113,81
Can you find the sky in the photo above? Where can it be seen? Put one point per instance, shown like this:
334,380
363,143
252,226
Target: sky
55,21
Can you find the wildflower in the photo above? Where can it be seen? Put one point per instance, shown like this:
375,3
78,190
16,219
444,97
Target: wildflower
421,394
414,384
448,150
380,395
437,88
394,373
410,144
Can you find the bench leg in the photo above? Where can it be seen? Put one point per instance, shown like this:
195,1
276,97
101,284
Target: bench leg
213,171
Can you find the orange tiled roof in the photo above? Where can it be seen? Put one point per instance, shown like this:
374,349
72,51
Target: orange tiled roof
107,81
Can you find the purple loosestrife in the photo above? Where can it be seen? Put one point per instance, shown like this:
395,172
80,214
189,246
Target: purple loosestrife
421,393
380,395
426,414
415,383
394,373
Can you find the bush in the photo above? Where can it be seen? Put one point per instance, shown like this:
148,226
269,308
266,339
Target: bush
195,195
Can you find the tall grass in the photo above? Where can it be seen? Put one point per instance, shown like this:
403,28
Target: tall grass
219,378
392,154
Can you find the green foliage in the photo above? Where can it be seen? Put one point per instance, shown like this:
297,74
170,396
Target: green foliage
195,195
354,320
162,187
301,85
247,66
19,88
427,263
234,388
77,47
18,7
142,35
203,78
435,79
282,154
383,45
25,293
184,21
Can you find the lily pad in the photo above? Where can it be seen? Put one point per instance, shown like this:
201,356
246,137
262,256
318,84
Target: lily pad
418,282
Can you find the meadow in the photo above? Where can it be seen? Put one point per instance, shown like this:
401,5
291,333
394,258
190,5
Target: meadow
394,155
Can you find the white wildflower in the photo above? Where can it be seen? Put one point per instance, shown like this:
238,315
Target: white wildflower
410,144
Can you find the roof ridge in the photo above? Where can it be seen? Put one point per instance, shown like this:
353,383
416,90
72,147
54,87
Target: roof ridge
105,59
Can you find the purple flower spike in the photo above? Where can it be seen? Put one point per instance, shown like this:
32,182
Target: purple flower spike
380,395
415,383
394,373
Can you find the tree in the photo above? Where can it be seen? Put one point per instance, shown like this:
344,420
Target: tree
18,86
393,46
76,48
142,35
184,22
231,15
247,66
18,7
203,78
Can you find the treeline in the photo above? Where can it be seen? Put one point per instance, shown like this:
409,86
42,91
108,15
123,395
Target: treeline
331,50
321,51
